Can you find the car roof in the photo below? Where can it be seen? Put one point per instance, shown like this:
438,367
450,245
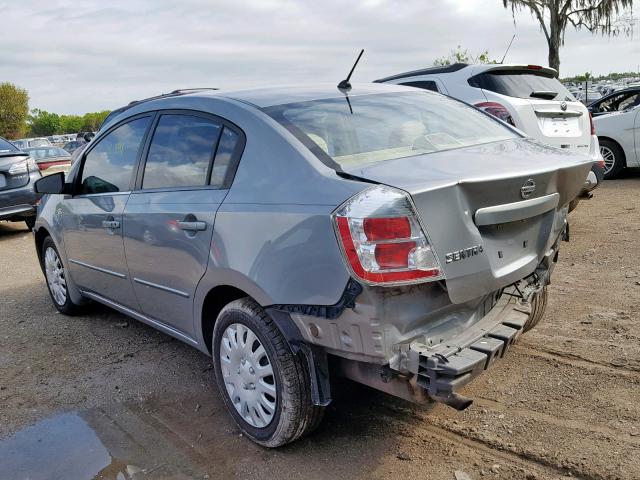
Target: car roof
271,96
425,71
263,97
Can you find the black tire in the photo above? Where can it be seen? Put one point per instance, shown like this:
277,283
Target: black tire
609,147
538,307
31,222
295,415
68,307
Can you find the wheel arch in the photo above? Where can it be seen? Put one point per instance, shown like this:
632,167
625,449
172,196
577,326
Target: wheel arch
39,235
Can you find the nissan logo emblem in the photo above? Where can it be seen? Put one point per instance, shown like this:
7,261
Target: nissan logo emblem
563,106
528,188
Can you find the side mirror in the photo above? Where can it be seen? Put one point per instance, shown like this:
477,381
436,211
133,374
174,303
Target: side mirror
89,136
52,184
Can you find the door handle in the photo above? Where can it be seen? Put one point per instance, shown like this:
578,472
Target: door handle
195,226
111,224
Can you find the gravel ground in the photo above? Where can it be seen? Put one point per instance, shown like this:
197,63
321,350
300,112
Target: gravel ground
563,404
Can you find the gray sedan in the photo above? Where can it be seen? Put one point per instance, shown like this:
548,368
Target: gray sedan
18,172
397,237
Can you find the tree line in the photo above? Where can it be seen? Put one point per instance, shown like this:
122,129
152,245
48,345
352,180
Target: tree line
17,121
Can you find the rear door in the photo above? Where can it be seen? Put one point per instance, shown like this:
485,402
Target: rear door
92,217
169,219
539,104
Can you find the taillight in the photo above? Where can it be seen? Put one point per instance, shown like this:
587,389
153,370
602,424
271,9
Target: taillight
19,168
497,110
593,127
382,240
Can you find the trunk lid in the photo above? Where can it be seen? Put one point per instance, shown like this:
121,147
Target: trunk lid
491,211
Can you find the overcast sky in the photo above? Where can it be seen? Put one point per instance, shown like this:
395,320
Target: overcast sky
78,56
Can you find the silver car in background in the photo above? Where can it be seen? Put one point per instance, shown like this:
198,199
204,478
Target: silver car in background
394,236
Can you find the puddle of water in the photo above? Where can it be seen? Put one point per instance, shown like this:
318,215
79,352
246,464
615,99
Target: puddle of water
64,446
125,442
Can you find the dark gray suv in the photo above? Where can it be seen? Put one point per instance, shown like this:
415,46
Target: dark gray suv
18,172
395,236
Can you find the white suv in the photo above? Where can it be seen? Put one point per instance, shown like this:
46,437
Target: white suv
529,97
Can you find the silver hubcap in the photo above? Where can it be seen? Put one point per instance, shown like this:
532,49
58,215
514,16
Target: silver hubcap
55,276
248,375
609,158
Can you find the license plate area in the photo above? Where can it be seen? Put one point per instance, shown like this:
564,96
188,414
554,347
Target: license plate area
560,126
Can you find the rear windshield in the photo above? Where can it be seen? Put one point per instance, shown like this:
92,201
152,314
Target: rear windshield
352,131
6,147
522,84
38,153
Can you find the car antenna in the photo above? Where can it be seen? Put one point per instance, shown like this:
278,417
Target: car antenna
508,48
344,84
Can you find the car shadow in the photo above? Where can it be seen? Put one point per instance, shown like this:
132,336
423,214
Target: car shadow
12,229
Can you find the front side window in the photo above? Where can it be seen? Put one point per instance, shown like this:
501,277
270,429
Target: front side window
108,167
181,151
365,129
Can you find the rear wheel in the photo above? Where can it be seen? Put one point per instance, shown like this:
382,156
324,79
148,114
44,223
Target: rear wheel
614,159
538,307
264,385
56,277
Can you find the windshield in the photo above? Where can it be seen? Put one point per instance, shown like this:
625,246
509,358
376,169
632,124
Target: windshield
522,84
363,129
38,153
39,142
6,147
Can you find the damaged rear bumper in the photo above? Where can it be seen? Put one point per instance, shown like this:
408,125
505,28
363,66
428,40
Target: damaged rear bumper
437,373
442,372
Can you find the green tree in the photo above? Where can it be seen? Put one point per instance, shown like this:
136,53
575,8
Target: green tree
71,123
460,55
92,121
14,110
44,123
606,17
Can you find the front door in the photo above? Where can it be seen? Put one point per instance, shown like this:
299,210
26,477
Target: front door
92,217
169,218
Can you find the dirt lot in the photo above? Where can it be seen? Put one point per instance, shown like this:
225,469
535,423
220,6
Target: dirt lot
109,395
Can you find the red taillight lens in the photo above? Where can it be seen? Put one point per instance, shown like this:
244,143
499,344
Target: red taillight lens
534,67
497,110
390,247
394,255
593,127
386,228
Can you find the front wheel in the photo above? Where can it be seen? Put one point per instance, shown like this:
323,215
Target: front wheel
264,385
56,276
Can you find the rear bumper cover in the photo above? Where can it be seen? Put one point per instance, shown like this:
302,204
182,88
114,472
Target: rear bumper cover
442,372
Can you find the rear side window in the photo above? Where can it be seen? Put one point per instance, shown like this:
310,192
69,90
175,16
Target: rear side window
223,163
424,84
6,147
522,84
181,151
108,167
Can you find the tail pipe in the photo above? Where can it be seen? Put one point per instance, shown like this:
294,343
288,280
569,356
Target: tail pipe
454,400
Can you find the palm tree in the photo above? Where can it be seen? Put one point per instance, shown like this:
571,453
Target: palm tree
607,17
